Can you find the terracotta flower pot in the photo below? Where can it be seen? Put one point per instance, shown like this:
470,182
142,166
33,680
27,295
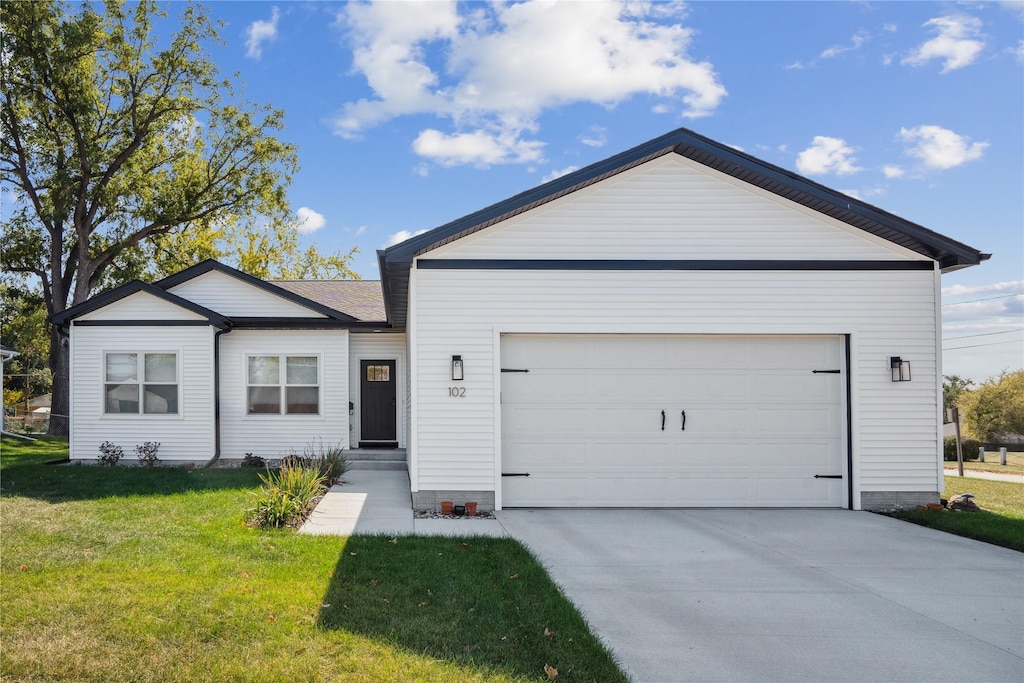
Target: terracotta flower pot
446,507
471,509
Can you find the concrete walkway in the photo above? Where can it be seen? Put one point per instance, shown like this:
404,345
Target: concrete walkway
991,476
784,595
378,502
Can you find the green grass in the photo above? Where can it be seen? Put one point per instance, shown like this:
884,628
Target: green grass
136,574
1014,463
1000,522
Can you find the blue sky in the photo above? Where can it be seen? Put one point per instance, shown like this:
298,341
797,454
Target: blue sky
408,115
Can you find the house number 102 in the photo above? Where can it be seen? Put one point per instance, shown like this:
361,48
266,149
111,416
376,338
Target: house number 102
457,392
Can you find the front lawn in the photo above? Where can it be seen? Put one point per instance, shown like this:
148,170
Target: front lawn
1014,463
1000,522
134,574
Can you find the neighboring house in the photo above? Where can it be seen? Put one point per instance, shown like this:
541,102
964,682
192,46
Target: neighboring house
679,325
6,354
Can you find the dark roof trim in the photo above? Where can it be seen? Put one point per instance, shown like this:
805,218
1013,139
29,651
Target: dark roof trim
950,254
615,264
210,265
141,323
133,287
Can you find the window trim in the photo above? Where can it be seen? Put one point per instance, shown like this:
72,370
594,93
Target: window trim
283,385
141,383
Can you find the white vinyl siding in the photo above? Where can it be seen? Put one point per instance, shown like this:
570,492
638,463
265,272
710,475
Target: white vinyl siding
380,346
885,312
187,435
230,296
672,208
276,435
142,306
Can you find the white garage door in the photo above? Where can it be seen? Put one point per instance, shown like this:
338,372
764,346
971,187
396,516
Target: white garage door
661,421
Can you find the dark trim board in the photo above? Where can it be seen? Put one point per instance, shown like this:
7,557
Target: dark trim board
629,264
849,424
142,323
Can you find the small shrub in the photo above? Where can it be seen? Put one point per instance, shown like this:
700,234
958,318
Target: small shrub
285,496
146,453
328,459
110,454
969,446
251,460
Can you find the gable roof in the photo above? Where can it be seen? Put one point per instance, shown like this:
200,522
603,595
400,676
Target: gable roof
396,261
361,299
210,265
133,287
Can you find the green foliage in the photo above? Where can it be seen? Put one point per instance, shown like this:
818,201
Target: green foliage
110,454
285,497
996,408
329,460
953,387
146,453
25,330
969,447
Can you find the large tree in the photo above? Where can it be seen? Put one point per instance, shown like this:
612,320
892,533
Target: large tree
996,408
115,138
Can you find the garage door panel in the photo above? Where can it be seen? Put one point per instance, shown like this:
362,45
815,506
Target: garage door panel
759,423
798,422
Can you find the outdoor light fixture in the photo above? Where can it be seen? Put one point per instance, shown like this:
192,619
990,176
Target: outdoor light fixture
900,369
456,368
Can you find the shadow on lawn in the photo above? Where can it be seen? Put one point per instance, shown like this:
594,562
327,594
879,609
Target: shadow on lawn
478,602
30,477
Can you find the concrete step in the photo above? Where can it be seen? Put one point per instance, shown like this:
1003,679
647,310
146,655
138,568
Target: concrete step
377,465
375,455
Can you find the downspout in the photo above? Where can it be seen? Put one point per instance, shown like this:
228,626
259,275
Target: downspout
216,395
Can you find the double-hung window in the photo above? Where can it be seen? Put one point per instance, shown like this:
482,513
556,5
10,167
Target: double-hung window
140,383
288,385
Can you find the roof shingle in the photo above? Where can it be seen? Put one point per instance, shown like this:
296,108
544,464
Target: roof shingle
361,299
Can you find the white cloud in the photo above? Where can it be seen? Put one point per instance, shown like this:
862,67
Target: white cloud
309,220
480,148
958,41
596,136
1008,287
796,65
890,28
856,41
852,193
401,236
661,109
940,148
1017,51
260,32
893,171
493,69
827,155
559,173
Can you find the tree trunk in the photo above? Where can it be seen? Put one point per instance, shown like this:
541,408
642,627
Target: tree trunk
60,403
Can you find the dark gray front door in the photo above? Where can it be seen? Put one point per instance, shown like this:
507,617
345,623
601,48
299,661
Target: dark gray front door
378,414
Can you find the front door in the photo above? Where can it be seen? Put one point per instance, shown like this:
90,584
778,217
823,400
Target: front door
378,424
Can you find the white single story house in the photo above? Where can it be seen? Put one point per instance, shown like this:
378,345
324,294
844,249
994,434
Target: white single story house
679,325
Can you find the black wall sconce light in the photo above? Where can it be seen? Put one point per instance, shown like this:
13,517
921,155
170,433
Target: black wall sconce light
900,369
457,374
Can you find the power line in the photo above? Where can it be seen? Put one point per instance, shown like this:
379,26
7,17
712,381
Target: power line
984,334
974,346
974,301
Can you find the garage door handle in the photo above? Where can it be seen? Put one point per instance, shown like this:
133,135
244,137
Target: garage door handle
663,420
515,474
828,476
684,420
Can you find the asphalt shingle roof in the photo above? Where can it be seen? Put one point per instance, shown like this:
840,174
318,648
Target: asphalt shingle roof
361,299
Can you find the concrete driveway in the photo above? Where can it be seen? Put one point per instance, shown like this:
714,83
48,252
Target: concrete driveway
784,595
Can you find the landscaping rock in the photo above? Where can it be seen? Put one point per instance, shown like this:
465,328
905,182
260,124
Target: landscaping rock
965,502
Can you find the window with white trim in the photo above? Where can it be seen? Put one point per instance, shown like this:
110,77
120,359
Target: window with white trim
136,382
283,385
